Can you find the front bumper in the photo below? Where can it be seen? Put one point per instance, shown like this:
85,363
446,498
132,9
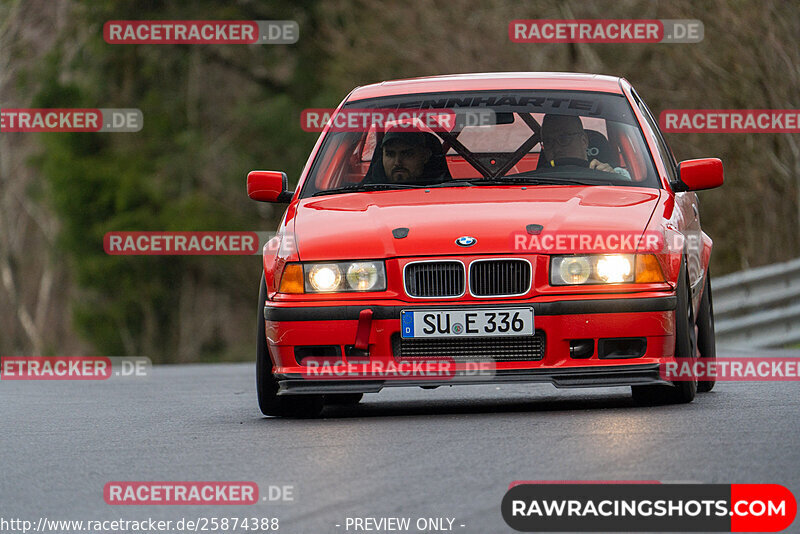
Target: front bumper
576,377
296,324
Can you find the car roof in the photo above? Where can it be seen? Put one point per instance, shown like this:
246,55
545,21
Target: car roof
490,81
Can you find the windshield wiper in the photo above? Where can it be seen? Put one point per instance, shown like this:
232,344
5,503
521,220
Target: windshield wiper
595,177
532,180
358,188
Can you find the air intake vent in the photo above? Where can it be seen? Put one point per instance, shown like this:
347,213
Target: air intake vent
496,278
461,349
432,279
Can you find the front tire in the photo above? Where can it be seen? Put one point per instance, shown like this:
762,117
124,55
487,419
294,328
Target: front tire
301,406
706,339
680,392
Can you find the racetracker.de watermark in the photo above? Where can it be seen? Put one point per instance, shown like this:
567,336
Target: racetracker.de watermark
199,243
184,243
730,120
180,493
539,241
415,370
71,120
73,367
364,120
201,32
749,369
606,31
588,242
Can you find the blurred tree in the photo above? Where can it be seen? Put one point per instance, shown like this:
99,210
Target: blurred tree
210,115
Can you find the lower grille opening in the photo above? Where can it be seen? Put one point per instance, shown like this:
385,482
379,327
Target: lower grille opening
356,355
581,348
319,354
621,347
499,349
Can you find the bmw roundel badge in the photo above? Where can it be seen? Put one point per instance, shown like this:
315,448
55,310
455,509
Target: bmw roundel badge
466,241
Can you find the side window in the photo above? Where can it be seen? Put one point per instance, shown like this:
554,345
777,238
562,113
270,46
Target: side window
663,148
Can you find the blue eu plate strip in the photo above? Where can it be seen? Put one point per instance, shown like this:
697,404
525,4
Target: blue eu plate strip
407,324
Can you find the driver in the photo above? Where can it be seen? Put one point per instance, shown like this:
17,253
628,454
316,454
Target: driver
564,142
412,156
404,156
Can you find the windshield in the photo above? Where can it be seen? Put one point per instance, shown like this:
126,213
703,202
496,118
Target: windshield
482,138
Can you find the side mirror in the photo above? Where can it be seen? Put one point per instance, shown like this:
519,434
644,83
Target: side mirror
697,174
268,186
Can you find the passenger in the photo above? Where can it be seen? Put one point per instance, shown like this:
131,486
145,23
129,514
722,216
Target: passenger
564,142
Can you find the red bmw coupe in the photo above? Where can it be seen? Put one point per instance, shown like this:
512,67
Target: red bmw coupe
485,228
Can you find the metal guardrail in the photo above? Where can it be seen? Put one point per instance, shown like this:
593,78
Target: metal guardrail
758,307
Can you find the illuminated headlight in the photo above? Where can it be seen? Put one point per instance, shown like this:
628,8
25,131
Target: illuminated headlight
345,276
324,277
615,268
592,269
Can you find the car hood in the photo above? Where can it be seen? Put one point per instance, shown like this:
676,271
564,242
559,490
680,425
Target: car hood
359,225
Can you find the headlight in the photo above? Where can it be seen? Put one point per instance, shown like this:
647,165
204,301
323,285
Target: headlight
616,268
604,269
324,277
344,276
362,276
572,269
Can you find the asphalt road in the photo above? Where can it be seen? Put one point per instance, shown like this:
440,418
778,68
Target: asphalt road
448,453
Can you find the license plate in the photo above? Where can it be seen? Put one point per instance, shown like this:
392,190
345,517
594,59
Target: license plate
488,322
